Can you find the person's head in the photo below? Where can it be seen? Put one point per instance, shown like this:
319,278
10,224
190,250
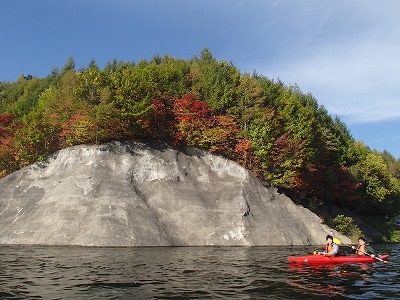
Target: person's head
329,239
362,240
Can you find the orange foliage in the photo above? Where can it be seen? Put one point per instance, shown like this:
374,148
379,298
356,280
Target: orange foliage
243,153
77,129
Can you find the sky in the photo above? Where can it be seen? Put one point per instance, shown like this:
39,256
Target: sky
345,53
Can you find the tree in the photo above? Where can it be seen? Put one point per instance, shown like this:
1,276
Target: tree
133,90
392,163
5,121
7,149
69,66
90,84
382,190
196,127
37,138
244,154
20,97
161,123
215,82
78,129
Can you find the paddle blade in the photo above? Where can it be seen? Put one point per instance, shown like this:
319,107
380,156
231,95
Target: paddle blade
336,241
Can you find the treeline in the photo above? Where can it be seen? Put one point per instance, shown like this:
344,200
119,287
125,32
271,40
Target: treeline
277,131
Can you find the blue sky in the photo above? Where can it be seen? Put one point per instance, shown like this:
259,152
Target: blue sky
346,53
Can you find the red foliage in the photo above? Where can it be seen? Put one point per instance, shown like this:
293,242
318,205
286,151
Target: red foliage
285,146
7,149
188,108
331,183
160,124
195,125
159,107
5,122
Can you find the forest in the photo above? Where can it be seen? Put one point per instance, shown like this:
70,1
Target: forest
278,132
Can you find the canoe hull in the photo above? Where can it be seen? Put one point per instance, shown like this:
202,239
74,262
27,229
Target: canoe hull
322,260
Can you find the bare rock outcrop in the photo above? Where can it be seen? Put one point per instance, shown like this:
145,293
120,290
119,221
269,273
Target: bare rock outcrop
141,194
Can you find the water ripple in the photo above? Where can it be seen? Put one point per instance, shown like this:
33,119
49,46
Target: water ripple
188,273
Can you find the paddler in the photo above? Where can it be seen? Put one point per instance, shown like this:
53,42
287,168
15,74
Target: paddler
331,248
363,248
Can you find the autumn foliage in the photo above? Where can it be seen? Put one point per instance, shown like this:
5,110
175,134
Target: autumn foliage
276,131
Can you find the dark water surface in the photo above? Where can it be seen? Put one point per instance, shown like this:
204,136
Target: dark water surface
188,273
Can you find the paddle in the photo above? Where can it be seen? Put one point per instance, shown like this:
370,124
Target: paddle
338,242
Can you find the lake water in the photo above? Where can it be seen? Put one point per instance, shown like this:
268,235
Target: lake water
28,272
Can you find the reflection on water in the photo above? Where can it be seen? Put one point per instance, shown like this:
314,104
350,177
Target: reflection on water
196,273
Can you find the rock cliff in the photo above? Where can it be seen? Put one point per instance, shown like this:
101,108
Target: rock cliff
142,194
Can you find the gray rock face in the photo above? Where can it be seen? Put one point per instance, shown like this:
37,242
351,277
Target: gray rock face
134,194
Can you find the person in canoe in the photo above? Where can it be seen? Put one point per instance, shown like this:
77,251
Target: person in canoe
331,248
363,248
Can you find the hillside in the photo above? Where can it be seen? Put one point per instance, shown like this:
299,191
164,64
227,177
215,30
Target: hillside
281,134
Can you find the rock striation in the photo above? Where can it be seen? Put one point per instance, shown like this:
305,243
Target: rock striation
148,194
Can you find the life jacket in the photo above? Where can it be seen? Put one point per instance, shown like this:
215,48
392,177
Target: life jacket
328,248
361,249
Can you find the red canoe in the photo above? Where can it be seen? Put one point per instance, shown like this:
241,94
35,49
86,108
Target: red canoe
321,259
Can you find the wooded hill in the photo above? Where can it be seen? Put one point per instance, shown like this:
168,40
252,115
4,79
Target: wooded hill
277,131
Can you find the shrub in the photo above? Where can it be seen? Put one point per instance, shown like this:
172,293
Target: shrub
345,226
